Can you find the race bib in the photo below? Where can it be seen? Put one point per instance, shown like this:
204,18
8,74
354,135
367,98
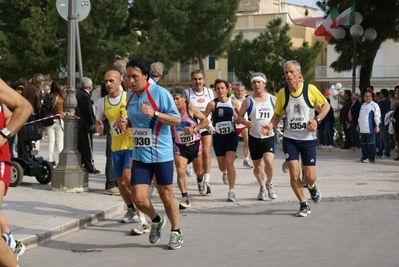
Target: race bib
115,130
142,137
297,126
262,113
224,127
182,138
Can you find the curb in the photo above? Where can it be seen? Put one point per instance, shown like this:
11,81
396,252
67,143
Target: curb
56,232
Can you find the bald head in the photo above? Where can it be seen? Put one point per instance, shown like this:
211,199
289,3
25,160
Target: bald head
112,81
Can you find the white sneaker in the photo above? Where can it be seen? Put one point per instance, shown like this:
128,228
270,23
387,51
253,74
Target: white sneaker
271,191
151,190
330,147
262,194
224,178
140,228
184,203
129,216
189,171
231,196
284,167
247,164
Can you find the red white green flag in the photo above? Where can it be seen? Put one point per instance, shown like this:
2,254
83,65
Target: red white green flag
345,19
325,27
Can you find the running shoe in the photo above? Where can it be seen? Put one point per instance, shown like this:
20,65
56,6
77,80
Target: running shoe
304,183
202,189
262,194
189,170
129,216
184,203
247,164
151,190
315,194
304,210
19,249
224,178
231,196
155,233
176,240
284,167
271,191
208,188
140,229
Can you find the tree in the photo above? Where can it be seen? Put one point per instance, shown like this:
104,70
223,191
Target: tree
380,15
34,37
267,52
29,38
191,30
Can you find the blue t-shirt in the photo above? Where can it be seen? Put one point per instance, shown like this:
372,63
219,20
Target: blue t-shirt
152,139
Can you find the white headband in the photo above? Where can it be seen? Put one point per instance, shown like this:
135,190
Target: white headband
260,78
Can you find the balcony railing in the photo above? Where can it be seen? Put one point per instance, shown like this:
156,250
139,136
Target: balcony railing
379,71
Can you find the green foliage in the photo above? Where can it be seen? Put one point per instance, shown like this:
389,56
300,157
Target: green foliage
380,15
267,53
33,38
184,30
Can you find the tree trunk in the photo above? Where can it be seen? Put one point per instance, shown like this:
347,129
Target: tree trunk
367,66
200,63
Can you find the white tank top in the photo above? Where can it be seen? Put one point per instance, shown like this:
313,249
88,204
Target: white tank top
260,113
200,100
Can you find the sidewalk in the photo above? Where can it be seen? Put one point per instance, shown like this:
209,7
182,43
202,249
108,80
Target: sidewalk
37,215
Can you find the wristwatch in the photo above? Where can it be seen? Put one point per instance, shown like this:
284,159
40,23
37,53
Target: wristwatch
5,133
156,114
318,120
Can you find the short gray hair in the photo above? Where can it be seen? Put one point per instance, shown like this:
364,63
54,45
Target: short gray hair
86,82
120,66
156,69
295,62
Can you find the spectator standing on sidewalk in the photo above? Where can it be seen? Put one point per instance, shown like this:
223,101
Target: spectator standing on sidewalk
297,101
353,117
55,132
187,144
368,126
223,111
384,144
329,127
260,109
344,121
151,113
10,123
156,72
33,93
86,125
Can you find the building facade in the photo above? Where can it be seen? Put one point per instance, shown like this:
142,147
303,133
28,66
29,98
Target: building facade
252,18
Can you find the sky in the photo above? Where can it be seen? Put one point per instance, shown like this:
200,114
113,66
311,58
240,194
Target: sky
311,3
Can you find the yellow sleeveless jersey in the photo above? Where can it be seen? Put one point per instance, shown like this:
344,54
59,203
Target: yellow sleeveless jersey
120,140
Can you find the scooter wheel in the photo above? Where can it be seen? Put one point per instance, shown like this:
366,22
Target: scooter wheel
17,174
47,171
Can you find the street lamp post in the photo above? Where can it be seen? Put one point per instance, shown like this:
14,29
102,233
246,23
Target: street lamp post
358,36
69,175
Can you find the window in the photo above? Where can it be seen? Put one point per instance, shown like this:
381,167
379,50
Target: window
212,63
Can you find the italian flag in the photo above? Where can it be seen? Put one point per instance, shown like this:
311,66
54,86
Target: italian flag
325,28
345,19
